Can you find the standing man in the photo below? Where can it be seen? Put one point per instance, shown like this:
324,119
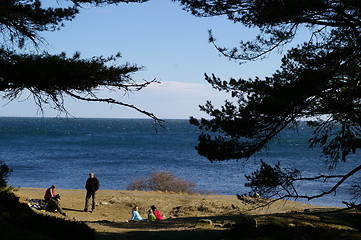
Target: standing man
92,185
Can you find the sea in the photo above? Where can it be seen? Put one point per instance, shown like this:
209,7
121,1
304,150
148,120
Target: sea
62,151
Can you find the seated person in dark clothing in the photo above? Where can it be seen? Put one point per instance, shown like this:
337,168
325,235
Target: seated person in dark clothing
54,205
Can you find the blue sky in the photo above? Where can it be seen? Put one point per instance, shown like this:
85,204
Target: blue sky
170,43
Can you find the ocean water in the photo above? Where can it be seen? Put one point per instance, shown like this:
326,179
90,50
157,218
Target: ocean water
62,151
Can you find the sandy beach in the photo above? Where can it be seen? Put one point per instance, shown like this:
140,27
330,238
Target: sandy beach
183,213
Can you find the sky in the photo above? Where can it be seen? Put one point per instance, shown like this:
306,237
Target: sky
169,42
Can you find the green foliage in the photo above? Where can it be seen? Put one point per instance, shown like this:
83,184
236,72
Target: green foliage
49,78
319,79
272,181
278,21
66,73
23,20
162,181
4,172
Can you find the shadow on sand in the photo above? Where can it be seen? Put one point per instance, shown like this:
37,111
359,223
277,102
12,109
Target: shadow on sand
177,228
201,234
316,225
72,210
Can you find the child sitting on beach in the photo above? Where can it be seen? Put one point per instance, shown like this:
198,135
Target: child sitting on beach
157,214
136,216
151,216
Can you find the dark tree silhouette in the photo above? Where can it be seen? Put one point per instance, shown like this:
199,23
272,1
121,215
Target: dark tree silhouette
4,172
49,78
318,80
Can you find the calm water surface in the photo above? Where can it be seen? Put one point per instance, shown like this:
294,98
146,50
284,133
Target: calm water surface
45,151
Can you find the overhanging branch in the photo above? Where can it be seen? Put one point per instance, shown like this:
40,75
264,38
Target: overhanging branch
113,101
343,178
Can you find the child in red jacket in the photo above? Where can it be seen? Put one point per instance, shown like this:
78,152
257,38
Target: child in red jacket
157,214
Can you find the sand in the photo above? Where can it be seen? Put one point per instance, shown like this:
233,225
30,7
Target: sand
182,212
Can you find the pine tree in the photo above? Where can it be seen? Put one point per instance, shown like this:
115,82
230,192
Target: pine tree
50,78
319,81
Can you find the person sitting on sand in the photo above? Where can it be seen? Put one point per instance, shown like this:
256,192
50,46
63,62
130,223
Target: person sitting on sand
157,214
49,193
136,216
151,216
54,205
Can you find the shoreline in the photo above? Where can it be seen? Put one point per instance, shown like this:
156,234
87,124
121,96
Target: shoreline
69,151
182,213
39,189
116,205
